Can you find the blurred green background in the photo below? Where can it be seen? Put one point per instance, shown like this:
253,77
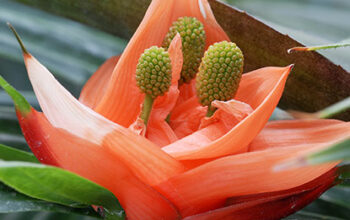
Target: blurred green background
73,51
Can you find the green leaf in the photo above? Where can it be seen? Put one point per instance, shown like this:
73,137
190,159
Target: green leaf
12,202
344,174
20,102
12,154
335,108
307,215
338,195
56,185
21,105
310,87
326,210
44,215
339,151
333,204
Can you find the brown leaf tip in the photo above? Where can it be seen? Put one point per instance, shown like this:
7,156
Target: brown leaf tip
24,50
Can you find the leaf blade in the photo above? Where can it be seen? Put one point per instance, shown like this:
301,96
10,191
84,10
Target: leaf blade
14,202
56,185
11,154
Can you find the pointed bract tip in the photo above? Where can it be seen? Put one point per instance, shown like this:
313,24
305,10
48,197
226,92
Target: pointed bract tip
24,50
20,102
289,51
291,66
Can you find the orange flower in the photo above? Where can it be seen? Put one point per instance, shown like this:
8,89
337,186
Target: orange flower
220,167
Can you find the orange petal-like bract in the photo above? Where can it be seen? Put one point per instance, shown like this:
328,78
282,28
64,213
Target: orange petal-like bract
181,164
261,89
241,174
65,112
96,86
57,147
275,205
300,132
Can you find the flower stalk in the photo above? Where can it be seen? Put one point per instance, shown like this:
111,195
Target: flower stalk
146,108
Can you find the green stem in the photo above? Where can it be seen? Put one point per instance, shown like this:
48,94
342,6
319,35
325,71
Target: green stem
211,110
147,108
335,109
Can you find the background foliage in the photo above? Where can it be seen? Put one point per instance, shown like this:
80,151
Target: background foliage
73,51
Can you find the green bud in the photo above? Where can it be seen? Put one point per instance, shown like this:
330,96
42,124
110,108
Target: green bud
153,72
219,73
193,37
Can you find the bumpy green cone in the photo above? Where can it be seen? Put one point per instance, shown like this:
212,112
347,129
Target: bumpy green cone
219,73
153,72
193,37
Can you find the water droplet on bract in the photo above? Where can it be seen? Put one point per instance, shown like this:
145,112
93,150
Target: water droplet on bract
37,143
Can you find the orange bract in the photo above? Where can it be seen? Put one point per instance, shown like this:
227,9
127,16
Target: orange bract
95,87
299,132
193,166
57,147
261,89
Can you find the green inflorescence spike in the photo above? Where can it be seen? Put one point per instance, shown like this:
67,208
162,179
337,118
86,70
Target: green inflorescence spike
219,73
153,72
153,77
193,37
20,102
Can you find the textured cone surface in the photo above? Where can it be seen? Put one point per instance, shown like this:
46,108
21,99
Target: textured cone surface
192,35
219,73
153,72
